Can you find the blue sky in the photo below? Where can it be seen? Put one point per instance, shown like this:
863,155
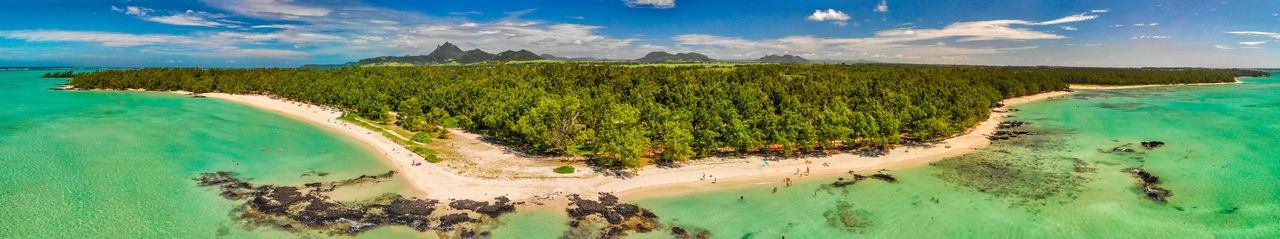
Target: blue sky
288,33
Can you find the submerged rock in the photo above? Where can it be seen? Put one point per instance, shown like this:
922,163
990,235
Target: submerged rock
620,218
1122,150
1004,135
847,218
1010,124
885,177
1152,144
1150,185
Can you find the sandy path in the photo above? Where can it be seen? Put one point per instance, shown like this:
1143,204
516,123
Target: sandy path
439,181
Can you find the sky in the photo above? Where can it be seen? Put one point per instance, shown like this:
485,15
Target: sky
290,33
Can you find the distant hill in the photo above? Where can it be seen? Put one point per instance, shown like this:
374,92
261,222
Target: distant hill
783,59
473,56
557,58
448,53
522,55
664,57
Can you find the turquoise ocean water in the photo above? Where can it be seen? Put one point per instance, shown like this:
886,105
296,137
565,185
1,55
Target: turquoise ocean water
119,165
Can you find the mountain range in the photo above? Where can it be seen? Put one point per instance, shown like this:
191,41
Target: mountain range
448,53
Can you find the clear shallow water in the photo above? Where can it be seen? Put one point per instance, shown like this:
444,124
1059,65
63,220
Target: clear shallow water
115,164
120,165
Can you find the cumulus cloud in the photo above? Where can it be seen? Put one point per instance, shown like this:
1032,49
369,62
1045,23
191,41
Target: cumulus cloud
837,17
663,4
882,7
892,43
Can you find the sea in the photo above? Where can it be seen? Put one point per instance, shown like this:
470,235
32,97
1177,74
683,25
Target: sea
120,165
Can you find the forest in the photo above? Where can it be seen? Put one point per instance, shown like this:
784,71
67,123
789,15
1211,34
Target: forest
633,116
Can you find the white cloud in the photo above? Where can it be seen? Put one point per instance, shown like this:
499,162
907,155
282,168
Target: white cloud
1093,44
882,7
1149,37
1117,25
1068,19
466,13
132,10
1222,47
189,18
1100,10
278,26
384,22
282,9
1139,24
651,3
108,39
1153,24
1256,33
1252,43
838,17
1069,28
900,43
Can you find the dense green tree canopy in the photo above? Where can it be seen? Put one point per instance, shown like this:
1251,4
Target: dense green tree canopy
626,115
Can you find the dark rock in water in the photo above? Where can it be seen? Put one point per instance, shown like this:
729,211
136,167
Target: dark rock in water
447,221
1122,150
1150,185
1152,144
885,177
1010,124
620,217
681,233
466,204
295,208
1003,135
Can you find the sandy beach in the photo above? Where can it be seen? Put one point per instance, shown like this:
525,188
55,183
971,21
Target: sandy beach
1107,87
440,181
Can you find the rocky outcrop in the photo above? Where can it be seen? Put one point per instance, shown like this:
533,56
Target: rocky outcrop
296,208
619,218
1150,185
1152,144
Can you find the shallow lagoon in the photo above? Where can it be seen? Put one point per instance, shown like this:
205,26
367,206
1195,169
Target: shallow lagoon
119,164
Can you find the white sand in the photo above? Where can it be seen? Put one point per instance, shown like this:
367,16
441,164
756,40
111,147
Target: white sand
441,182
1106,87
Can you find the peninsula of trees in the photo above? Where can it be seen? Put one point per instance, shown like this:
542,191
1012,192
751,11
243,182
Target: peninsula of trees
631,116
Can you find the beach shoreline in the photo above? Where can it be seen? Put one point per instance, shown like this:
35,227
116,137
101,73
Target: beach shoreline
717,173
1106,87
